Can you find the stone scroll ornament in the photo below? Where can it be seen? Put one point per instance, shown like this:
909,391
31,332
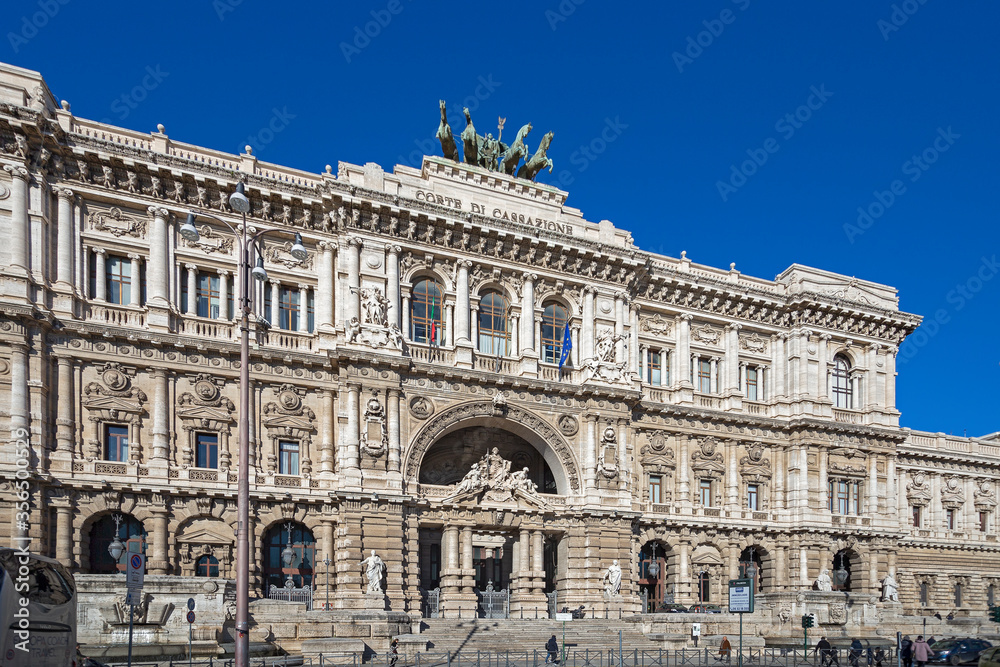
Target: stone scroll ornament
493,154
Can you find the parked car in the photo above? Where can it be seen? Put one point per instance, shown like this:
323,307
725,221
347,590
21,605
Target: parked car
959,650
990,657
671,608
705,609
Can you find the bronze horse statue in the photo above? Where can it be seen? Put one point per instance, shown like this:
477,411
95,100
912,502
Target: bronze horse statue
517,150
470,140
448,147
538,161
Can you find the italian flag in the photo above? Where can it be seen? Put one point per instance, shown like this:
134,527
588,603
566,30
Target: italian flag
433,324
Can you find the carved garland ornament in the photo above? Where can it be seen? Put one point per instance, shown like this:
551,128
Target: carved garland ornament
117,223
437,426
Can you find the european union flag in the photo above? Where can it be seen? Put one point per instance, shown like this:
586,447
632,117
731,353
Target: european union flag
567,347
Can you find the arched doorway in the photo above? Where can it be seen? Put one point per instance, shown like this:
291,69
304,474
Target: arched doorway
130,533
845,574
752,563
653,580
289,553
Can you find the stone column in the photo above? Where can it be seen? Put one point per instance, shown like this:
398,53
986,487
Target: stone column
19,223
66,399
822,382
524,551
822,462
66,239
158,563
890,377
715,375
871,502
326,433
732,483
325,288
192,288
644,374
587,335
683,470
449,325
803,364
619,325
537,561
161,415
157,276
590,450
684,574
303,308
392,416
392,284
463,332
101,276
64,530
353,427
135,282
223,295
683,379
633,338
353,279
467,567
666,361
575,353
778,462
527,338
406,318
515,345
732,365
275,302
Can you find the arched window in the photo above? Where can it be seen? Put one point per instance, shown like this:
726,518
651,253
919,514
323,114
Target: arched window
207,566
130,533
703,587
494,324
843,396
302,546
554,319
425,313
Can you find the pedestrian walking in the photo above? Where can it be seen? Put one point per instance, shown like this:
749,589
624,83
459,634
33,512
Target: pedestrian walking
906,651
879,657
855,654
552,651
393,652
825,650
725,650
921,651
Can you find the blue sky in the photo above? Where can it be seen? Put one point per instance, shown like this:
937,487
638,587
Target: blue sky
886,106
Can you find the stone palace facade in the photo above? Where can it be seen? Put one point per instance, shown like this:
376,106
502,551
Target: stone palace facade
407,395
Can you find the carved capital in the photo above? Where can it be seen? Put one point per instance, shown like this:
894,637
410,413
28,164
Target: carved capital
395,250
65,193
687,317
223,272
530,276
191,267
99,251
355,242
16,171
134,256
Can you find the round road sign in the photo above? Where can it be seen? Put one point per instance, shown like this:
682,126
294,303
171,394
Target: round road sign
190,617
136,561
191,604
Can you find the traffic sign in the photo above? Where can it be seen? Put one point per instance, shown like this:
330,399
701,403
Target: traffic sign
190,604
135,571
133,597
740,596
563,617
190,617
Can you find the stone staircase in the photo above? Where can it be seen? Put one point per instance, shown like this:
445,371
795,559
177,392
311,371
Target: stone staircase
440,636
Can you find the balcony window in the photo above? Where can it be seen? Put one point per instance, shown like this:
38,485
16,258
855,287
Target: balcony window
425,313
753,496
288,309
705,376
288,457
118,273
916,517
655,486
654,368
844,496
752,384
209,297
843,393
554,319
494,324
705,492
949,519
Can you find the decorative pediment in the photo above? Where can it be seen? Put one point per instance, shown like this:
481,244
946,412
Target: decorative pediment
918,491
205,407
985,495
211,241
206,536
114,398
705,556
289,416
707,460
754,467
116,223
952,494
656,456
706,334
282,254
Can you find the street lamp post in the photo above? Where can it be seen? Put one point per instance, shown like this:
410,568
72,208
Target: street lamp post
116,549
326,561
241,204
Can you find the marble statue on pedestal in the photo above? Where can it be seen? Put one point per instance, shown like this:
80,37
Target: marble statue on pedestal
823,581
890,590
374,570
612,580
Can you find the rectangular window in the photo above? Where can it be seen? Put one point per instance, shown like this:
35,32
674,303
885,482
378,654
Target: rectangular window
705,492
949,519
208,296
288,457
116,443
206,450
829,495
288,309
843,506
923,589
655,484
984,521
916,517
752,394
704,376
856,497
653,368
311,312
752,497
119,279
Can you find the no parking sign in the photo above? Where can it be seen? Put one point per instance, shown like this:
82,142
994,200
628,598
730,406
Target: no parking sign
135,571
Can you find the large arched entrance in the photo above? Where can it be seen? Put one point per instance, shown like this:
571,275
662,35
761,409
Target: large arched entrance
289,555
485,548
654,585
131,536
